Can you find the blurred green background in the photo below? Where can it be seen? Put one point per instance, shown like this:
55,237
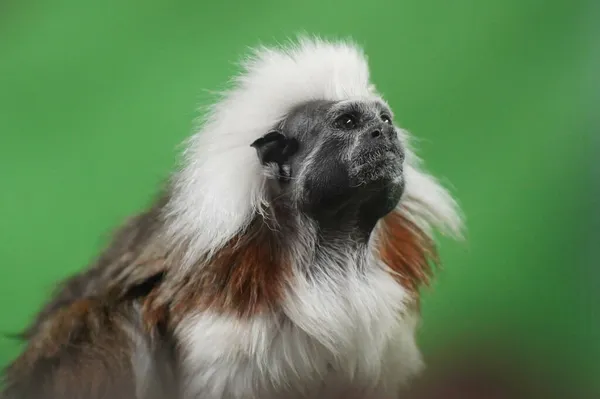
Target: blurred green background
502,95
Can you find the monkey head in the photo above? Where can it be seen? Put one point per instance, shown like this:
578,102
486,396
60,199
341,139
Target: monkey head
337,161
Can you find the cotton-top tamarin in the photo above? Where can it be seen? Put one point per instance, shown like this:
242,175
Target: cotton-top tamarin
283,260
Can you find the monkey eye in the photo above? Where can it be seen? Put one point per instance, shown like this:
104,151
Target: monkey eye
386,119
346,121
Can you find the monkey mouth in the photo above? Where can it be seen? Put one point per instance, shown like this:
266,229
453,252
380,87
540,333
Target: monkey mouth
377,165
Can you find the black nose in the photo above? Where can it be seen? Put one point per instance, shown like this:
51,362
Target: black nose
376,133
377,138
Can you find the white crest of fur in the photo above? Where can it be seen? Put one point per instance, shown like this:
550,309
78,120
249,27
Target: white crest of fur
221,185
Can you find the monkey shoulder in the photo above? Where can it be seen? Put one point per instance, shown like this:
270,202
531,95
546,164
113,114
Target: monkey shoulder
85,341
88,349
119,267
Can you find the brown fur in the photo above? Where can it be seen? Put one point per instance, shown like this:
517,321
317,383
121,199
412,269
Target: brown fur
80,351
407,250
80,344
244,278
119,267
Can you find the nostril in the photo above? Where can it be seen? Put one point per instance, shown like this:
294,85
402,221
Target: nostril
375,133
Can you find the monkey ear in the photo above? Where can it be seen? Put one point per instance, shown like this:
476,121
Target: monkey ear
274,147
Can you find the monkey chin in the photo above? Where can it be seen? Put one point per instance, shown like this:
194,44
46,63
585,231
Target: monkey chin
379,167
380,180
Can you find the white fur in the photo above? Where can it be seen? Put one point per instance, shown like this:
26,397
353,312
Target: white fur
221,185
355,322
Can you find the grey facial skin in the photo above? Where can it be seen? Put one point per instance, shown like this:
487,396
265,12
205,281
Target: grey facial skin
339,162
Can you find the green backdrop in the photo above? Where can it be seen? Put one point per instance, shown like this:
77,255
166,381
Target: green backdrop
96,96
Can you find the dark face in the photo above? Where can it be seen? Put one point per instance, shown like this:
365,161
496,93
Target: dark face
340,162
